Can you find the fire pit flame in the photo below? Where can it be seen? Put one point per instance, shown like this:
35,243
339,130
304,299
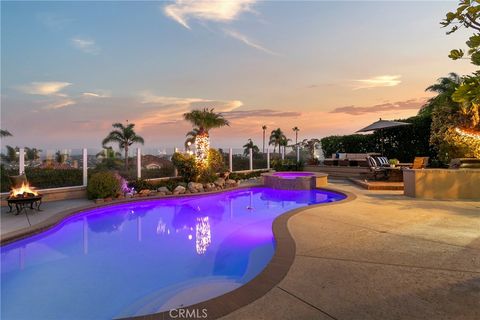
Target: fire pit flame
24,191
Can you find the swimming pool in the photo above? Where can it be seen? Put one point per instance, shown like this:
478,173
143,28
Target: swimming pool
144,257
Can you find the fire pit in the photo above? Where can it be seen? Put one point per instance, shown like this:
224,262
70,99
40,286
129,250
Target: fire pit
24,197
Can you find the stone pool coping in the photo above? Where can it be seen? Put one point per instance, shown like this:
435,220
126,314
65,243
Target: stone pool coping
222,305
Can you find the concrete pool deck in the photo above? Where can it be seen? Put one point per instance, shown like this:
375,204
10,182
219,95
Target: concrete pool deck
381,256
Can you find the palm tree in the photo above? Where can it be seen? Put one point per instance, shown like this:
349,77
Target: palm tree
444,88
250,145
204,120
191,135
276,137
296,129
264,128
125,136
5,133
284,143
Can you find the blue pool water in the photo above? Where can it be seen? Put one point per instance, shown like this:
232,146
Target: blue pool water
145,257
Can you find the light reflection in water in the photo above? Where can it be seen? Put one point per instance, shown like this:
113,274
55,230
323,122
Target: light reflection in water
203,236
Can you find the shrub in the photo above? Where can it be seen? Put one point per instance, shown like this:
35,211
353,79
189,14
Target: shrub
141,184
215,161
286,165
44,178
103,185
246,175
186,166
207,176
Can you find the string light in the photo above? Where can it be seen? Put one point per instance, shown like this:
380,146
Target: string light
202,145
465,133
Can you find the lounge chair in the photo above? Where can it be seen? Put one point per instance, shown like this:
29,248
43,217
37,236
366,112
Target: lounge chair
376,167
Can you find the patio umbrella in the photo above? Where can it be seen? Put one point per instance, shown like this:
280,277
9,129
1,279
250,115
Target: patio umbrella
381,125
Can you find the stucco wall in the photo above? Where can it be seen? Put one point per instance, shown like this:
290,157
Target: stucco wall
442,183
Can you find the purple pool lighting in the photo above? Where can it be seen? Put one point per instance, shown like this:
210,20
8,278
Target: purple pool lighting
145,257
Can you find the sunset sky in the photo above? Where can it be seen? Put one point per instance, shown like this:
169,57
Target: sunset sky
71,69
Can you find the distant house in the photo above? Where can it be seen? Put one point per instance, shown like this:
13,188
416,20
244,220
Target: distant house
154,162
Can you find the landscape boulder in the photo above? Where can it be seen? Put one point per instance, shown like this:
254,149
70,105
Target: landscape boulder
195,187
220,182
179,190
164,190
231,183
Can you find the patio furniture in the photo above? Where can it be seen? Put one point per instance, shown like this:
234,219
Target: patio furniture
394,174
376,168
420,163
465,163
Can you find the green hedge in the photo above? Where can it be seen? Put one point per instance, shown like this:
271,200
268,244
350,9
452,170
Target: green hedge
44,178
403,143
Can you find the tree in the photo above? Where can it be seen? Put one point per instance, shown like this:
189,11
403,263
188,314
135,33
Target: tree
467,94
310,146
264,128
32,154
11,155
296,129
276,137
109,158
284,143
444,88
191,135
204,120
467,15
250,145
124,136
5,133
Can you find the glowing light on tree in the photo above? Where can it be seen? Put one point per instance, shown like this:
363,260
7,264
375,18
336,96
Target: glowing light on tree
202,145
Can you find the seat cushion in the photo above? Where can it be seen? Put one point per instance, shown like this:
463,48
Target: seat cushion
383,161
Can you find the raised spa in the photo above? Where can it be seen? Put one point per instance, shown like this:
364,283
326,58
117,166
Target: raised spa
294,180
144,257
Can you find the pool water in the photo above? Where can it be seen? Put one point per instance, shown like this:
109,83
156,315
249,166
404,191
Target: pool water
145,257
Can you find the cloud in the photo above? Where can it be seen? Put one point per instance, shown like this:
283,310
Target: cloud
171,109
219,11
243,38
86,45
53,21
97,94
51,88
411,104
378,82
60,104
260,113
